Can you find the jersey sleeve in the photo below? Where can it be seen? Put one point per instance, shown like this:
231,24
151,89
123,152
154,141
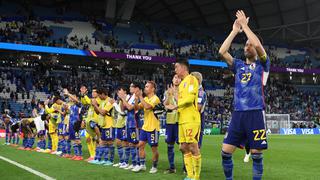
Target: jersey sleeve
108,107
191,93
202,97
154,101
235,65
265,62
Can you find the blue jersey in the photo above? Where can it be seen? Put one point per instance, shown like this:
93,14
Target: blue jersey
249,78
74,113
202,99
41,111
131,117
138,118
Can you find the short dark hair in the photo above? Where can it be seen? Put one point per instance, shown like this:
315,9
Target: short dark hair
56,98
136,84
153,84
102,90
42,103
184,62
123,88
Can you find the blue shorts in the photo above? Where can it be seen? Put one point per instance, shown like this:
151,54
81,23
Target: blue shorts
121,134
107,134
41,133
62,129
151,137
172,133
73,135
247,127
133,135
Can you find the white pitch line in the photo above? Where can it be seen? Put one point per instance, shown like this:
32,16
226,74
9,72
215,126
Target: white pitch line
27,169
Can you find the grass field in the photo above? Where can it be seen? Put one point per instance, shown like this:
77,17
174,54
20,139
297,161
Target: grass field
288,157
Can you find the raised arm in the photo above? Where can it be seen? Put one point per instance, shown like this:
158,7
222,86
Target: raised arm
243,21
223,51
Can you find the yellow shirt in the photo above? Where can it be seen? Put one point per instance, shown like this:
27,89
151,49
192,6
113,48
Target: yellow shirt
151,122
91,115
107,120
55,117
120,119
188,100
172,116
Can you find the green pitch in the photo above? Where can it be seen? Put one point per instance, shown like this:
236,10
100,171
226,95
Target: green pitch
288,157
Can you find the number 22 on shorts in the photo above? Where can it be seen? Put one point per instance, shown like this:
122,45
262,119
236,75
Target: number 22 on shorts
259,134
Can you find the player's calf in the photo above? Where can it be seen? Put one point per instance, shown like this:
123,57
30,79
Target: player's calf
257,165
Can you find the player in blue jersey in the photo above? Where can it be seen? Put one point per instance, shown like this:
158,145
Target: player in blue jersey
7,126
120,125
202,100
171,121
73,121
132,125
247,124
15,131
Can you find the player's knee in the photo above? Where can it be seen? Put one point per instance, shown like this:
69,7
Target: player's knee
256,151
256,156
183,148
225,155
194,148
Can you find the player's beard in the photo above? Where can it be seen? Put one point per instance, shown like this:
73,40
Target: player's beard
249,56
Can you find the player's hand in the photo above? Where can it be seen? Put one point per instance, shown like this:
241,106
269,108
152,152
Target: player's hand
121,95
138,93
241,18
170,90
172,107
236,26
111,101
94,102
46,102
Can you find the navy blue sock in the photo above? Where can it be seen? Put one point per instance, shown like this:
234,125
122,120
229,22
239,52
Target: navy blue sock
133,152
75,148
39,144
25,142
80,149
49,142
98,153
257,166
127,154
171,155
68,147
227,165
60,144
120,153
43,144
155,164
138,157
13,138
17,139
31,142
111,149
64,146
106,152
7,137
142,161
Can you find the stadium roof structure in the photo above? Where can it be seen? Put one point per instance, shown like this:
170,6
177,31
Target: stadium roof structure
292,20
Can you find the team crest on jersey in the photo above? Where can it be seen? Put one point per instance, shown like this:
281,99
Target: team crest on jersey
185,85
252,66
